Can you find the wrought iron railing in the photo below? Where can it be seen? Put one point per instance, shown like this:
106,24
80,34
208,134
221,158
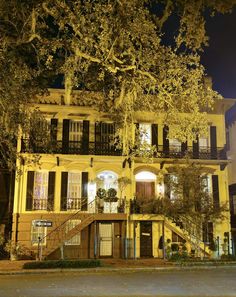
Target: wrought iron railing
107,149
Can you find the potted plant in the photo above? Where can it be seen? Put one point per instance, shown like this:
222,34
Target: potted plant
112,195
213,247
14,249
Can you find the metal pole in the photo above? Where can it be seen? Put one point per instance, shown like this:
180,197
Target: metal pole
163,239
95,239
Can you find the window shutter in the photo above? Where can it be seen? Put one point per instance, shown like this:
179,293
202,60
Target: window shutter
165,141
184,148
53,130
155,134
215,191
85,138
51,190
167,185
97,138
213,142
196,148
64,186
84,191
30,190
65,136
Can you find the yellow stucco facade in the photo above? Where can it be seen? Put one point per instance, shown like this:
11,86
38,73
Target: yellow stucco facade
72,170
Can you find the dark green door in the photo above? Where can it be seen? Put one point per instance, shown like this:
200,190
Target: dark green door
146,239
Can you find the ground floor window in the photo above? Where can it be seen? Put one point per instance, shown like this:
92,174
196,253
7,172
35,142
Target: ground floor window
38,233
75,240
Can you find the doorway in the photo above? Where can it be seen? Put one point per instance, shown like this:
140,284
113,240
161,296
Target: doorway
146,239
105,242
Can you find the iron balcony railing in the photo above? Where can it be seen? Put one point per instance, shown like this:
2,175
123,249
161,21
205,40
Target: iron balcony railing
107,149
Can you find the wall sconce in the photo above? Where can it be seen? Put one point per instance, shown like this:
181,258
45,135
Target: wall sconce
91,162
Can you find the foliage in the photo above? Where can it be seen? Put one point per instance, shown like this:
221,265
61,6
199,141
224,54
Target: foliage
101,193
117,48
62,264
123,182
14,248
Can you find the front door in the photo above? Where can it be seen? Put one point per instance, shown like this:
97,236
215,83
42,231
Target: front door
146,239
145,190
105,235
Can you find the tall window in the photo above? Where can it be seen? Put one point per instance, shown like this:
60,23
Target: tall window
74,191
234,204
145,133
203,144
38,232
40,190
175,145
76,130
75,240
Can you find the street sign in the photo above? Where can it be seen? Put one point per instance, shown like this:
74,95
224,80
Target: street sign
42,223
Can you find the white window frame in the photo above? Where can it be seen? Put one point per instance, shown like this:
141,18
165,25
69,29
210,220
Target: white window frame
40,189
37,232
145,131
75,130
74,190
174,145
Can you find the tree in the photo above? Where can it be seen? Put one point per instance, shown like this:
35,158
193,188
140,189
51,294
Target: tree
188,200
114,47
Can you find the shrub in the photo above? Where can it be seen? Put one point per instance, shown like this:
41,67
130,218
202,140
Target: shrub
62,264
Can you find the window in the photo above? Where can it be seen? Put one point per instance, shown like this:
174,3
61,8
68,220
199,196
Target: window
107,180
206,183
74,191
145,133
76,131
175,145
38,232
75,240
203,144
234,204
173,184
40,190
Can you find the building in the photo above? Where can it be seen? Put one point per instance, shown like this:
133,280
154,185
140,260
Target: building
67,206
231,153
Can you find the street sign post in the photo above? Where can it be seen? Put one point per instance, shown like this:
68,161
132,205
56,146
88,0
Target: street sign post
42,223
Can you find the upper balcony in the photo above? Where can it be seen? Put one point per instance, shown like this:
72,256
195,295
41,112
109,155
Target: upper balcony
107,149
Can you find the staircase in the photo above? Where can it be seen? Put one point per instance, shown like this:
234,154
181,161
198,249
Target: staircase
189,235
59,235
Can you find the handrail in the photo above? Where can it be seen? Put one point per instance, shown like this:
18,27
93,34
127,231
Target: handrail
73,215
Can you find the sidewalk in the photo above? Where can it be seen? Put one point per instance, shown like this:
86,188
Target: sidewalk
114,265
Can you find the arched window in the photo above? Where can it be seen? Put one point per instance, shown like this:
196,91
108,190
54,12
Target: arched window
106,180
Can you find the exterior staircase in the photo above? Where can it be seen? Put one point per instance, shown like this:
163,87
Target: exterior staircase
190,236
65,236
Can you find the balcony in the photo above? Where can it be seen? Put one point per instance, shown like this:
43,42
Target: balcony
106,149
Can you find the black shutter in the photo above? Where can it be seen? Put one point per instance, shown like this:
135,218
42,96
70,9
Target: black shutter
64,185
165,141
196,148
167,185
215,191
51,190
213,142
30,190
98,138
155,134
184,148
84,191
65,136
85,138
53,130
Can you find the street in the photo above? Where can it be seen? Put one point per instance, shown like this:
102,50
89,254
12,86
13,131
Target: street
218,281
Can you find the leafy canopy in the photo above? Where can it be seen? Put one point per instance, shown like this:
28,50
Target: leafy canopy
116,47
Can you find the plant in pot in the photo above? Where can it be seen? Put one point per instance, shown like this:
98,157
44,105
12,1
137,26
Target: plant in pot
14,249
213,247
111,195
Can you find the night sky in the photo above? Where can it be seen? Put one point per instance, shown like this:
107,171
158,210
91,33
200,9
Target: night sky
219,58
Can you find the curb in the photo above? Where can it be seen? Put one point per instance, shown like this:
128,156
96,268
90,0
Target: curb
115,270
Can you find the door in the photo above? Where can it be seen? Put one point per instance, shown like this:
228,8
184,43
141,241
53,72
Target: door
105,235
146,239
145,190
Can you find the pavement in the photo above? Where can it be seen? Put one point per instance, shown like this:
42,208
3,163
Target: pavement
113,265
